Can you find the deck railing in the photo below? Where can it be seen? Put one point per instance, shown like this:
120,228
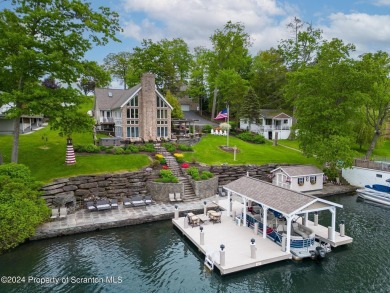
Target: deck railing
376,165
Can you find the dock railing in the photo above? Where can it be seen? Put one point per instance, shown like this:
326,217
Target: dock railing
382,164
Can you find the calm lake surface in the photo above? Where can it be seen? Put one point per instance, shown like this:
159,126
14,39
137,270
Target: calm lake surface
155,258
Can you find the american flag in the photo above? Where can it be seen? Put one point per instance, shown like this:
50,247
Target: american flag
222,115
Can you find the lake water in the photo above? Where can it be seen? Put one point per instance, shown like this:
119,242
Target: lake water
155,258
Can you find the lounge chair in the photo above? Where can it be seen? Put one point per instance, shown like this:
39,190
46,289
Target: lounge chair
63,212
54,214
126,202
103,205
137,201
214,216
90,205
114,203
148,200
212,131
178,197
172,197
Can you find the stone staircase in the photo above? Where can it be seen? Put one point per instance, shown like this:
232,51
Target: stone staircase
189,194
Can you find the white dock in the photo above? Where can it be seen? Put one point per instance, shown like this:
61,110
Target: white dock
237,241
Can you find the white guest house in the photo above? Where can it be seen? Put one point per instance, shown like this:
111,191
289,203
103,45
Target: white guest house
298,178
270,122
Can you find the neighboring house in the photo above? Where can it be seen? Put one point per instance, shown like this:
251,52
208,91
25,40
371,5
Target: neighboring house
298,178
138,113
270,123
187,104
27,123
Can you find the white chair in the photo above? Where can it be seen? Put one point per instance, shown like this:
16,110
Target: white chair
172,197
224,133
212,131
54,214
177,196
63,212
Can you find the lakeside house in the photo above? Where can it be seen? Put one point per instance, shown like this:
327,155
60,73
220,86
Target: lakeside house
270,122
298,178
135,114
27,123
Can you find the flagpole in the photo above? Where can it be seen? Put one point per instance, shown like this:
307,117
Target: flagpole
228,130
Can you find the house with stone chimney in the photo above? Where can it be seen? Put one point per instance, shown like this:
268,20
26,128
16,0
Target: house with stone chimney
135,114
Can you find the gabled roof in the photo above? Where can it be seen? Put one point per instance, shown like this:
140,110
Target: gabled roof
285,201
302,170
119,97
274,113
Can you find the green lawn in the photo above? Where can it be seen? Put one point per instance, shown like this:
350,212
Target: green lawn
208,151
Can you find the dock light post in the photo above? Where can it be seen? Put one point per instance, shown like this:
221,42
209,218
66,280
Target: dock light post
201,235
176,212
185,221
315,218
234,215
222,255
205,207
253,248
342,228
231,204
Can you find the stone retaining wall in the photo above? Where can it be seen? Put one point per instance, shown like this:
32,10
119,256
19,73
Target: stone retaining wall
160,191
205,188
66,191
229,173
69,190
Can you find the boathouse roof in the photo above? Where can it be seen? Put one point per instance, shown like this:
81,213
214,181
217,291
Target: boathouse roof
301,170
285,201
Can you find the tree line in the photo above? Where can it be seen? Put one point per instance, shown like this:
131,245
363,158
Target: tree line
338,101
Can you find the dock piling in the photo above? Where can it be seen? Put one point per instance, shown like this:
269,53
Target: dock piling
222,255
342,229
185,221
176,212
201,235
253,248
315,218
256,228
205,208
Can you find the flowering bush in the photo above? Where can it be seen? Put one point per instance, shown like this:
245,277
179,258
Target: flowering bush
165,167
225,126
185,165
177,155
159,156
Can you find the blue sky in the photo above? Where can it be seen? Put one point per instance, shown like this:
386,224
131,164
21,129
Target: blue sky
365,23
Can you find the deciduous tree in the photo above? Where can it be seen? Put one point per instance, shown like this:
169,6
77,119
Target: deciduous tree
118,64
40,38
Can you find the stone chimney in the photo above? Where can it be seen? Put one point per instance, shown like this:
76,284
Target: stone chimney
148,108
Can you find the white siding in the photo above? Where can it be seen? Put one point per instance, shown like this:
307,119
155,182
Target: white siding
361,176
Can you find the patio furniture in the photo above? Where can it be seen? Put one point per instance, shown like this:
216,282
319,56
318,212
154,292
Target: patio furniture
114,203
178,197
90,205
148,200
126,202
214,216
103,205
193,220
203,219
63,212
54,214
137,201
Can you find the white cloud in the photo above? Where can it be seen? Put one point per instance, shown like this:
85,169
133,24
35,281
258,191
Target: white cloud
382,2
196,20
367,32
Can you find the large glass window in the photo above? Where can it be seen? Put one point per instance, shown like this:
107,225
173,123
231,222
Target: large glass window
132,131
133,102
161,103
132,113
162,131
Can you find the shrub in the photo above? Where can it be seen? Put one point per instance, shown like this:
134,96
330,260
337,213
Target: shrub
132,148
194,173
207,128
86,148
193,160
185,148
155,164
166,176
163,161
251,137
170,147
207,174
118,151
159,156
204,176
149,147
22,208
185,165
165,167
